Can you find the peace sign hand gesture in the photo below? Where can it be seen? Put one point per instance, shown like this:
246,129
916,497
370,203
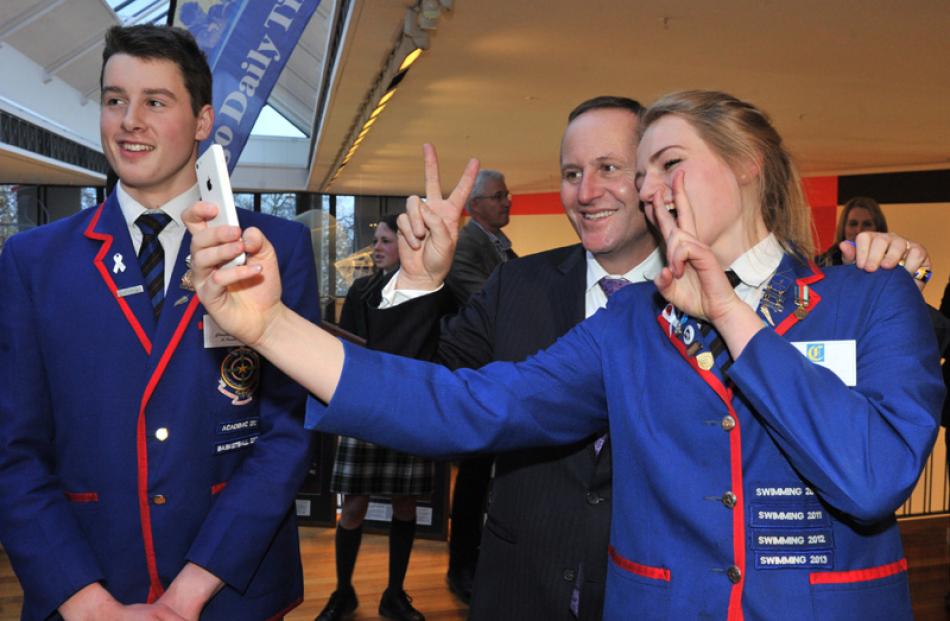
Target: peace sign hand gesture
429,228
693,280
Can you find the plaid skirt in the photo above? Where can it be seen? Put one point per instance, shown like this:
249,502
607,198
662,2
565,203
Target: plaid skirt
366,469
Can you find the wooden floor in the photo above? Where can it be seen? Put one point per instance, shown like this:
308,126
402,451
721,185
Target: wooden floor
925,542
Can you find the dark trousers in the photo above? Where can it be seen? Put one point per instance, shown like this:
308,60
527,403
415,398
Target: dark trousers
468,509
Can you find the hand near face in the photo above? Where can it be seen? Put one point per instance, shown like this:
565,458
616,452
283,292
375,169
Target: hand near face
429,228
873,250
243,299
693,280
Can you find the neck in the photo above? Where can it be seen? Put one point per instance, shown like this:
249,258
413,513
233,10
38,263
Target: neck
491,229
623,262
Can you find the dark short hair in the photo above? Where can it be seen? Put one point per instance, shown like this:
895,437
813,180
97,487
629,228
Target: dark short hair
606,102
151,42
390,221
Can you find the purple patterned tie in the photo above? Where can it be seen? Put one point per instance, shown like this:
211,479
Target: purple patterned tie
612,285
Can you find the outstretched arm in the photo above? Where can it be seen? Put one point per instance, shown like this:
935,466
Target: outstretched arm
245,300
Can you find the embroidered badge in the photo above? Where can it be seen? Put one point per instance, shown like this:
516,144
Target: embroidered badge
240,374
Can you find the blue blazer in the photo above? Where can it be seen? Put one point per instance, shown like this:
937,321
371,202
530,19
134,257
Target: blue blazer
760,488
128,448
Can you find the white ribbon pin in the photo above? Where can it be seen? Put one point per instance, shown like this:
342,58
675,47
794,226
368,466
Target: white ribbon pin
119,266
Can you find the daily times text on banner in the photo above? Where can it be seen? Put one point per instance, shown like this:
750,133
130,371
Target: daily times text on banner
247,42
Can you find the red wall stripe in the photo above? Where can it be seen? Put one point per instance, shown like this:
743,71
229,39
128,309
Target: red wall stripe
540,204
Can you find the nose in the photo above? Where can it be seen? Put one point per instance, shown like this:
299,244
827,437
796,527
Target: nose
131,119
650,185
589,189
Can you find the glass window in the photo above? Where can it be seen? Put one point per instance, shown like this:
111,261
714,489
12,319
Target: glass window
345,240
282,205
244,200
88,198
9,220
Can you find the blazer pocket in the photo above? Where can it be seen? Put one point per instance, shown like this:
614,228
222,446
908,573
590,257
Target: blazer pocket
879,593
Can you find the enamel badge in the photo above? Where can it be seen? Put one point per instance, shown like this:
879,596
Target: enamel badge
240,375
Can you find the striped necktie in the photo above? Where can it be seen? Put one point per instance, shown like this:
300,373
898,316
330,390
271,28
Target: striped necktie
152,257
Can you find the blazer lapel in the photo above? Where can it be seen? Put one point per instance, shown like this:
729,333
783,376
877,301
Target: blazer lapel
119,269
790,296
178,299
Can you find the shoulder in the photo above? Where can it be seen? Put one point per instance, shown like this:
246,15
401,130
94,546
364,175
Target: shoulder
272,226
39,240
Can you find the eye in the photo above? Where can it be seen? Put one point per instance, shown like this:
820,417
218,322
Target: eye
571,175
609,168
670,163
111,101
155,103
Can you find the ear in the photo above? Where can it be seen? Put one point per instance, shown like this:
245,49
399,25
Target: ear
205,123
748,172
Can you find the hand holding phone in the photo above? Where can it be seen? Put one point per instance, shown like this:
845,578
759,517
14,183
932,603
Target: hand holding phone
215,187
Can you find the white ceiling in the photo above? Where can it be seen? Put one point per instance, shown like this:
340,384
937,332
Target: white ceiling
854,86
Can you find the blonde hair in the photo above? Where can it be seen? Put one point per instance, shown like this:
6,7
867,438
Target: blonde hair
741,135
868,204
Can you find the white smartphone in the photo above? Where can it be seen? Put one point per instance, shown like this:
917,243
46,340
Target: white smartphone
215,187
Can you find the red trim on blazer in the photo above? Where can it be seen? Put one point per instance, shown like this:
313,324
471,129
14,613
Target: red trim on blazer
735,468
217,487
813,298
106,240
82,496
155,585
657,573
858,575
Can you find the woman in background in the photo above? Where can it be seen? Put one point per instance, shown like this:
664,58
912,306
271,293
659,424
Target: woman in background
861,213
361,469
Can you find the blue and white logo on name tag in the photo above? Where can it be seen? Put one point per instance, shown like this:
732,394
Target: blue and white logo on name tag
839,357
815,352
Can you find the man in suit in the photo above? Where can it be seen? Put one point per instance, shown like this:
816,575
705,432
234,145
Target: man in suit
482,247
148,462
544,546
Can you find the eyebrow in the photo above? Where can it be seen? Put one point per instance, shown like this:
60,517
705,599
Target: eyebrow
599,159
148,91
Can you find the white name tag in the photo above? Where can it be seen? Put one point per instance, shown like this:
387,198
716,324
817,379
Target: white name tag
839,357
130,291
216,337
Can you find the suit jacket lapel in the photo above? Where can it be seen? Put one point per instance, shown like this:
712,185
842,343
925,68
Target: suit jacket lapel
119,269
571,303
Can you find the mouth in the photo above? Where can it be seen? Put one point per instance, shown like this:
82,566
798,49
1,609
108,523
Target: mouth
598,215
135,147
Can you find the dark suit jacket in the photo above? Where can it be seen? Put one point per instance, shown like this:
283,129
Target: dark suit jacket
476,257
549,516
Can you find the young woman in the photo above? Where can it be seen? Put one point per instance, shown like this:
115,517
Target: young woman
362,469
764,425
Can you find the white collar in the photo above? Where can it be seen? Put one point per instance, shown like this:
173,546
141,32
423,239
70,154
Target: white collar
645,271
132,209
756,265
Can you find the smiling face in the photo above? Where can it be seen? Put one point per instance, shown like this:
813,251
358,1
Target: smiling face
724,204
385,248
148,129
598,161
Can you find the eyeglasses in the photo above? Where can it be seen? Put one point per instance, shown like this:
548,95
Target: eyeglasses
497,196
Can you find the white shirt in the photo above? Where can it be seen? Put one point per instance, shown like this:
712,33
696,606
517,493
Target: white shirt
755,268
171,235
595,298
